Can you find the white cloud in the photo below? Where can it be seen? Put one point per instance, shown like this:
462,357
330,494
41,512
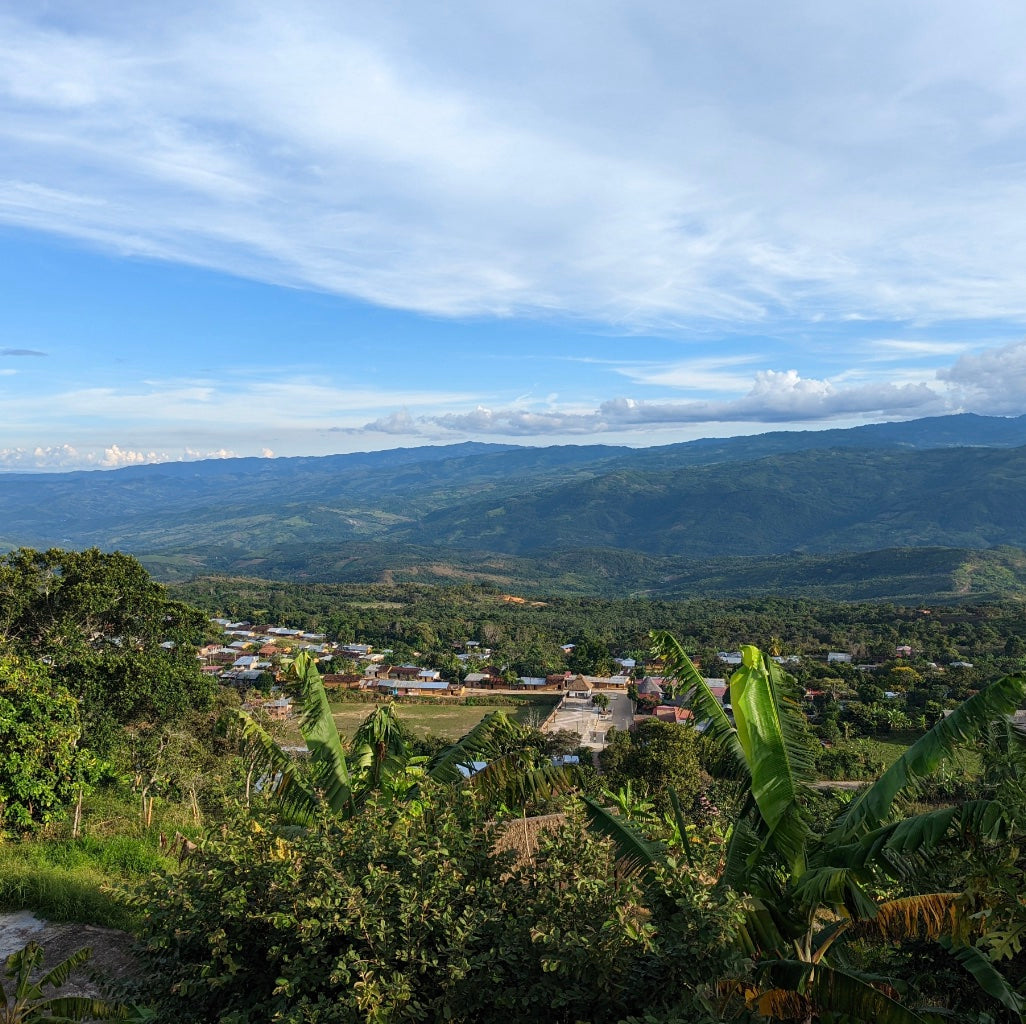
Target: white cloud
649,164
773,398
67,457
992,381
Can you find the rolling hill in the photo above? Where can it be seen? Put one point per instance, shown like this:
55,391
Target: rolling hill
781,510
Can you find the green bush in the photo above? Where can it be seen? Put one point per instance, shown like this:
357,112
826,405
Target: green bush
391,917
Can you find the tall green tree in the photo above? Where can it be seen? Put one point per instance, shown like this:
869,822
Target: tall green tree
107,631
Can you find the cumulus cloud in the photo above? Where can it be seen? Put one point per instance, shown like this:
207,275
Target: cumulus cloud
67,457
992,381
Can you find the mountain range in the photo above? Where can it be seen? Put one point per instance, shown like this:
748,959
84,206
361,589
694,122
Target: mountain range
929,508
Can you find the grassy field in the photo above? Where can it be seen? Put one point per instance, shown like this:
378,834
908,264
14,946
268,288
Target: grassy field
887,749
450,721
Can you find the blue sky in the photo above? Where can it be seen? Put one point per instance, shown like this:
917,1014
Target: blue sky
253,228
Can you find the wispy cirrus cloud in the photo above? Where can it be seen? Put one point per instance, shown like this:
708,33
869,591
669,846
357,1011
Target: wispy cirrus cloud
748,163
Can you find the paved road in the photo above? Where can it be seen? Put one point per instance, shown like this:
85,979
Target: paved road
583,717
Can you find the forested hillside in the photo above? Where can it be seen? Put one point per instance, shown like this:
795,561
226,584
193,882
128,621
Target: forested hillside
930,508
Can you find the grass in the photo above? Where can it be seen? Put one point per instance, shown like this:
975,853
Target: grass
450,721
61,878
888,748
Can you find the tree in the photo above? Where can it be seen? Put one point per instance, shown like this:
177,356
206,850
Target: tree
40,765
656,757
590,656
110,634
807,892
379,759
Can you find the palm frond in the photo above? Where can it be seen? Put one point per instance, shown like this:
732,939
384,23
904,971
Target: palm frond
872,806
761,930
379,750
703,701
20,965
742,848
59,974
682,828
987,976
517,779
327,757
488,739
842,994
633,849
837,887
74,1008
293,797
896,849
930,916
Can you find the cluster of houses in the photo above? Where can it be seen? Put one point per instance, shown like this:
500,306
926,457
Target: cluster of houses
250,657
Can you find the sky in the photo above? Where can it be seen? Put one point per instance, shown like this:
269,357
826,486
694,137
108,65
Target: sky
238,229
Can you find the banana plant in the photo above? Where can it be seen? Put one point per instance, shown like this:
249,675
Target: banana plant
24,1000
806,894
379,758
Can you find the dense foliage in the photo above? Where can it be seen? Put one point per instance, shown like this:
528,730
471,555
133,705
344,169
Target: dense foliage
528,635
398,917
107,632
39,732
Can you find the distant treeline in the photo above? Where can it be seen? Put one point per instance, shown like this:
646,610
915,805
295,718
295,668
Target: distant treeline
527,634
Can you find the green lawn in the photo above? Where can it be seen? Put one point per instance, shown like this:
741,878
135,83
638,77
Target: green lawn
450,721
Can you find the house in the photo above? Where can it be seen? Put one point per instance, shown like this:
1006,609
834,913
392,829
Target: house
838,658
533,682
718,686
355,651
342,681
418,688
651,686
403,672
729,657
278,709
674,715
579,687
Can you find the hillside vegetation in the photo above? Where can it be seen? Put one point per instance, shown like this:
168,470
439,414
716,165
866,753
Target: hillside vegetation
929,509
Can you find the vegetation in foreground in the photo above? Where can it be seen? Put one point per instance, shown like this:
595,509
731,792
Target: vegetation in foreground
709,882
391,903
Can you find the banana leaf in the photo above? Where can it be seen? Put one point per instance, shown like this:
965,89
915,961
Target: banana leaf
704,702
871,808
781,766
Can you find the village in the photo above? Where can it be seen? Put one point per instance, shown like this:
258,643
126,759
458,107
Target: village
252,657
